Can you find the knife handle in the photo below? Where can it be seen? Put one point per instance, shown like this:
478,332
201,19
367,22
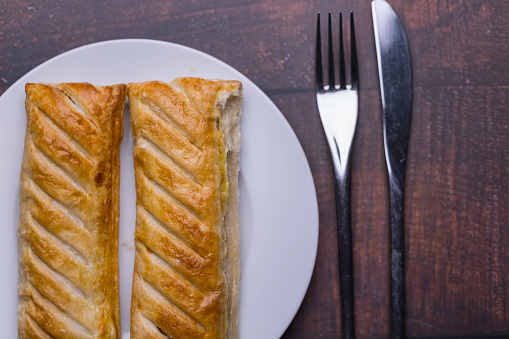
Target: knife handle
344,214
396,201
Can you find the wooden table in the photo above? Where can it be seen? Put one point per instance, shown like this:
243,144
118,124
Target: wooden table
457,194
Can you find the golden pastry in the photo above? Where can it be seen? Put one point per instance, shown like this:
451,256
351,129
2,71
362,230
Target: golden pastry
186,158
68,224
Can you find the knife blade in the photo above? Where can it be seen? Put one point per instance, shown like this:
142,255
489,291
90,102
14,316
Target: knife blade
395,74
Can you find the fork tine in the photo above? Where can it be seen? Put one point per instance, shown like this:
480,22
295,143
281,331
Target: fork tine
355,68
342,72
331,57
318,55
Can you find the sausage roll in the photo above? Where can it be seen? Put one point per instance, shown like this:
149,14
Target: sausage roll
68,224
186,158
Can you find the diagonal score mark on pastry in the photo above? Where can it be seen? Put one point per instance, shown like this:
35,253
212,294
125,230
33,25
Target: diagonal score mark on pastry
47,202
48,119
79,107
44,232
40,270
176,251
151,262
42,157
33,327
68,225
69,300
158,111
186,147
48,316
60,147
167,314
63,112
172,215
170,140
157,293
157,185
163,160
145,327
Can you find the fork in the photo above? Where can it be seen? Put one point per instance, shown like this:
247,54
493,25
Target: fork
337,105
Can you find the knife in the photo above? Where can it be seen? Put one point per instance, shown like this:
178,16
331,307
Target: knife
395,74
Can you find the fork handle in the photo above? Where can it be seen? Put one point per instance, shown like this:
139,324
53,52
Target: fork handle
344,216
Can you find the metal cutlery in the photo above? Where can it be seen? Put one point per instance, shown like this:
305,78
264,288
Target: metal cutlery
395,73
337,104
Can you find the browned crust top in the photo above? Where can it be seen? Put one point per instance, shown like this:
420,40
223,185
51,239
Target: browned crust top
180,167
68,225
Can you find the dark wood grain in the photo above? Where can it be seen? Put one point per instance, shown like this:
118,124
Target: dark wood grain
457,194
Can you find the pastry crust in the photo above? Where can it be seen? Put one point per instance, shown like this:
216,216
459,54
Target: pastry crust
186,146
68,224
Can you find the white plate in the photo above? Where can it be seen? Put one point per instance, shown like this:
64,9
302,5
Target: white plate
278,207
